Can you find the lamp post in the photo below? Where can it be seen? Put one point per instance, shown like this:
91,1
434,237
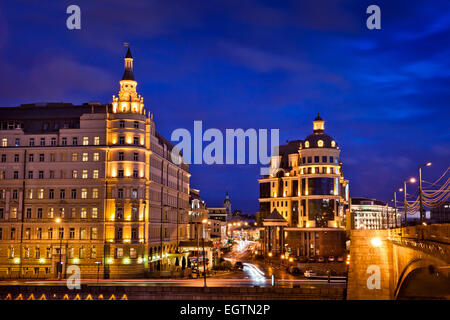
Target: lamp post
58,221
204,221
98,263
395,206
411,180
422,213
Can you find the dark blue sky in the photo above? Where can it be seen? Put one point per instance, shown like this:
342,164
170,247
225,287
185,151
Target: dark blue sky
384,94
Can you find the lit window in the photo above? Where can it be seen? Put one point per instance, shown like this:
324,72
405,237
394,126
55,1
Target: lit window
85,141
14,213
95,174
96,156
83,213
51,212
333,143
95,193
306,144
320,143
74,157
85,157
85,174
41,194
74,174
97,141
4,142
94,213
83,193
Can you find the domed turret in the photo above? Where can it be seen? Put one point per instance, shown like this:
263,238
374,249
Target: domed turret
319,139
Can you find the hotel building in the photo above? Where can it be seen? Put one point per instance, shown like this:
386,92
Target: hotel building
373,214
303,202
90,185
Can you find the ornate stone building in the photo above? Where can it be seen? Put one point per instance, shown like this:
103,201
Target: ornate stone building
91,185
303,202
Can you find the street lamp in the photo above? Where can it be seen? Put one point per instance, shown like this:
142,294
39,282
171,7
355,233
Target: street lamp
58,221
422,213
204,221
411,180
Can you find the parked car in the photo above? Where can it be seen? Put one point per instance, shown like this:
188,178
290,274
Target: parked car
321,259
311,259
239,265
294,270
330,259
340,259
302,259
310,273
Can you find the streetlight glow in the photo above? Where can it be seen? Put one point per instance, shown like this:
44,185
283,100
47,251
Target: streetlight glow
376,242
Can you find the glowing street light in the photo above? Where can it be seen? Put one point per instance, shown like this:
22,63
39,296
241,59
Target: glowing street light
411,180
422,213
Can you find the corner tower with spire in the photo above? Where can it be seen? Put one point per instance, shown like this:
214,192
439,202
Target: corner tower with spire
128,100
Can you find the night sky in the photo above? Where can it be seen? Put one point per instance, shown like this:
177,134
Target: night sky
384,94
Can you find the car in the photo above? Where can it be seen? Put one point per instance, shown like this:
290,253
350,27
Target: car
321,259
239,265
340,259
302,259
330,259
294,270
310,274
311,259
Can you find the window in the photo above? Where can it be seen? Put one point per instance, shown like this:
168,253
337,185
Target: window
42,143
61,212
82,253
13,237
96,141
306,144
84,193
134,194
17,142
331,159
3,157
121,124
74,174
61,233
136,124
95,174
30,174
28,215
4,142
52,174
15,194
121,156
39,233
39,213
31,157
41,193
51,193
53,142
83,233
1,213
85,174
119,213
16,175
94,213
85,141
121,140
49,236
73,213
120,193
133,253
72,233
64,141
96,156
320,143
119,234
134,233
93,252
52,157
135,174
95,193
16,158
74,157
51,213
119,251
41,174
136,141
31,142
74,193
333,143
135,156
85,157
74,141
27,233
37,252
94,233
309,159
324,159
316,159
62,193
120,173
70,253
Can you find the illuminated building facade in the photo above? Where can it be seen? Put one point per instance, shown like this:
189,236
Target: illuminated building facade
303,202
373,214
92,186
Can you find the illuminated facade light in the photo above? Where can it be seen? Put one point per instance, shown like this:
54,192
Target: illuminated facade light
376,242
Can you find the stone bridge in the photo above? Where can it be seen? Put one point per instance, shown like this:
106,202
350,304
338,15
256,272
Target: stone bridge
403,263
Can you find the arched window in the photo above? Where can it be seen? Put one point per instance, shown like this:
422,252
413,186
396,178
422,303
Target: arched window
320,143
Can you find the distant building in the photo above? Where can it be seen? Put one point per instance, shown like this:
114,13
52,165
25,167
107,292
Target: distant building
441,214
373,214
